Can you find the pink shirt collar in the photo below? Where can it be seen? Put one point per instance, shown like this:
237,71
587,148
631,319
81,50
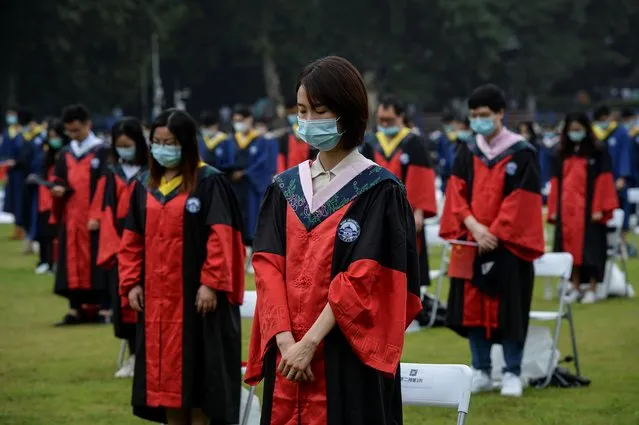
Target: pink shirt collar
500,143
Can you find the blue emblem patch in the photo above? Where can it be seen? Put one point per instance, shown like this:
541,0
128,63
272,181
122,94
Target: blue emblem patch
511,168
348,230
193,205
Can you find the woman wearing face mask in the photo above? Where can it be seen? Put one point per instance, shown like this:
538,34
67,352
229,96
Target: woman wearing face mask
129,158
335,269
292,150
56,140
493,199
582,199
181,265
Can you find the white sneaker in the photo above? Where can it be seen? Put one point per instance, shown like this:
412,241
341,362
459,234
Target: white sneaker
42,269
511,385
571,296
589,297
481,382
127,369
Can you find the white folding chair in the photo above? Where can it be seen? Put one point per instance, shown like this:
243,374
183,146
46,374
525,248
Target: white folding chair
557,265
247,311
433,240
439,385
617,249
633,198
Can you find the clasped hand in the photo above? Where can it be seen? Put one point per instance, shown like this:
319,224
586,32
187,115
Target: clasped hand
296,358
486,240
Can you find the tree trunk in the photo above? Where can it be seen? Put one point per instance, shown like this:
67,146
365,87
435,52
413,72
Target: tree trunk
269,68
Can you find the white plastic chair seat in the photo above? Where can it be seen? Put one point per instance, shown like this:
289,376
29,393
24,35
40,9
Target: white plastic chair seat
633,195
434,274
432,235
544,315
247,309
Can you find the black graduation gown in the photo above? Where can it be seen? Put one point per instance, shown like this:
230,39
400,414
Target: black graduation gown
504,195
77,273
171,245
358,253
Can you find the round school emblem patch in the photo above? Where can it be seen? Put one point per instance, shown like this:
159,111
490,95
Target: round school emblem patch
95,162
253,150
404,159
612,141
348,230
511,168
219,152
193,205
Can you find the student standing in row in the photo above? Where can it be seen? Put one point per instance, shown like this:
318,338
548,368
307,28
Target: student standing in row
181,265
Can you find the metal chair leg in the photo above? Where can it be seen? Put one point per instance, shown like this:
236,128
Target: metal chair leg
247,408
121,354
573,340
443,270
461,418
555,340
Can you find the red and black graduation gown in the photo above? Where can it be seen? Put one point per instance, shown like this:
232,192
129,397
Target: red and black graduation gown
409,161
114,210
172,243
581,186
293,151
357,253
503,194
77,275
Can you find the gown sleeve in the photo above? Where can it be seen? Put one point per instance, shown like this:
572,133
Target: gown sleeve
605,199
519,224
456,207
377,297
59,178
553,196
223,268
95,210
131,252
271,312
109,240
420,179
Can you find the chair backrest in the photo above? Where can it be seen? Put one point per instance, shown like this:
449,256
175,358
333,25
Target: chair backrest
633,195
432,235
247,309
615,227
554,264
443,385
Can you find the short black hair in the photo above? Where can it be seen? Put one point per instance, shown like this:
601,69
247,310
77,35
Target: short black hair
488,95
335,83
388,101
131,128
243,110
627,113
447,117
75,112
25,116
601,111
209,118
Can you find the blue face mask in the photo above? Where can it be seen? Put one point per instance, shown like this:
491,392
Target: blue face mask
166,156
464,135
602,124
11,119
483,126
389,131
629,125
549,135
292,119
127,154
320,134
55,142
448,128
576,136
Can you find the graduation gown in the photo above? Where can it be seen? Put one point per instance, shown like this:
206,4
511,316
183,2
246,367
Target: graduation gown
77,272
356,252
406,156
15,176
113,211
215,150
581,186
293,151
45,204
252,154
504,195
172,243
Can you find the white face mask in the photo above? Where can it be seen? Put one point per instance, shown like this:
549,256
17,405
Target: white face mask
240,127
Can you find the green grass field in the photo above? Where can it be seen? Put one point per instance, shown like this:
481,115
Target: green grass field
65,376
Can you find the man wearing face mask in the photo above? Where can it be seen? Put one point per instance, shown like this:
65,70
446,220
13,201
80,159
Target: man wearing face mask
213,143
493,199
8,154
631,124
616,137
292,150
252,168
405,154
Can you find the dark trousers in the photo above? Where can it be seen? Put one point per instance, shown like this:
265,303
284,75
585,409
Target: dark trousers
480,352
76,299
46,251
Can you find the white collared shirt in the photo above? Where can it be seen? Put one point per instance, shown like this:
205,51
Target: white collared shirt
84,146
321,177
